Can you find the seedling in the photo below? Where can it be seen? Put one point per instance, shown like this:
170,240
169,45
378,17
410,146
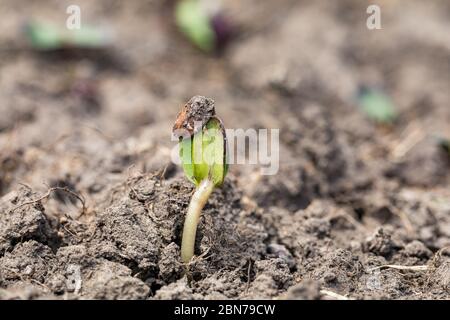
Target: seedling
43,36
203,157
209,30
376,105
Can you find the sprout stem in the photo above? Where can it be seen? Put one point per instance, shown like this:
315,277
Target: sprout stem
198,201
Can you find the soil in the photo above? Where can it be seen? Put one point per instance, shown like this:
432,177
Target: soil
358,210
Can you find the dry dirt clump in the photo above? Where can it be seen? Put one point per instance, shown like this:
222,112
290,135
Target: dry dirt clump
132,248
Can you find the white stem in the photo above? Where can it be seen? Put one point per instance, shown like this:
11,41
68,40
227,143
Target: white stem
198,201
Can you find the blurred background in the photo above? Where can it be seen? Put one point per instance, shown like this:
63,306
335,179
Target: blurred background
361,112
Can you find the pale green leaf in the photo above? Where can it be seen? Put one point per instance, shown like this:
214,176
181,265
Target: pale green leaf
377,106
44,36
195,24
203,155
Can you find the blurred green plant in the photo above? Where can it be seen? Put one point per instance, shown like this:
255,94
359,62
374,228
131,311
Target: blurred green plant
43,36
204,24
194,22
377,105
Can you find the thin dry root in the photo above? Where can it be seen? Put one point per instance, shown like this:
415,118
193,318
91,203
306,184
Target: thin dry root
399,267
334,295
47,195
404,219
414,134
